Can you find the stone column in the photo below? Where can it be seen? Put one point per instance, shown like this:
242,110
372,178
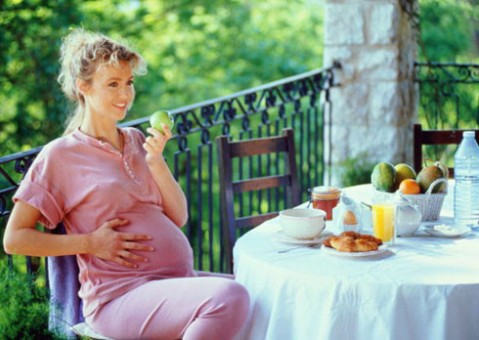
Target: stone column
375,107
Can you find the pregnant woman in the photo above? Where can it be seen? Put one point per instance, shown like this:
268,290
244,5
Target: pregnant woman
122,210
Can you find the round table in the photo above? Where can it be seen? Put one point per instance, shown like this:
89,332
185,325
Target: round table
422,287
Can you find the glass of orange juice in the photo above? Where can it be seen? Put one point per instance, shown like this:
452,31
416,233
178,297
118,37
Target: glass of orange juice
383,216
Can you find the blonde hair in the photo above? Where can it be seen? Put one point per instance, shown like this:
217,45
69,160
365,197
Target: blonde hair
81,53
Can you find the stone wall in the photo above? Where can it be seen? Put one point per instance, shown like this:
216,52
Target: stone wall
375,107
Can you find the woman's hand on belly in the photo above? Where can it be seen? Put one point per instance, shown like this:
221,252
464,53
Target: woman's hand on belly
108,244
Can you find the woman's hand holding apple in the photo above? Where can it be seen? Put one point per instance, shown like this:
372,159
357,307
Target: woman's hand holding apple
155,144
161,124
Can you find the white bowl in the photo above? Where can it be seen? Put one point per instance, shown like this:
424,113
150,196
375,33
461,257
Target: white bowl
302,223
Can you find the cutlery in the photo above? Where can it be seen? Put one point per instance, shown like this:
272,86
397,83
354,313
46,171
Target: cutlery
293,248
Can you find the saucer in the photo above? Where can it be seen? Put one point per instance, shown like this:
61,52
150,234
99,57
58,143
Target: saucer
333,251
283,238
443,230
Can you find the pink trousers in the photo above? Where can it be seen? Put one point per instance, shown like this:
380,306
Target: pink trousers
179,308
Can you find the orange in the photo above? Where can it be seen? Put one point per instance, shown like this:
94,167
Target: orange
409,187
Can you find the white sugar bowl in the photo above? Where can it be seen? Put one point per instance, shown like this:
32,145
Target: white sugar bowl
408,216
302,223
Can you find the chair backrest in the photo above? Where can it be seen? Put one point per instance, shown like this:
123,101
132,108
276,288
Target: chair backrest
231,189
435,137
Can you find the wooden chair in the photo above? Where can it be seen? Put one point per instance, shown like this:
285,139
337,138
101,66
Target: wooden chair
435,137
231,190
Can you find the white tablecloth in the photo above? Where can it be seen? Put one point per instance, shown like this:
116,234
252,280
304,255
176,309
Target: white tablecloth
423,288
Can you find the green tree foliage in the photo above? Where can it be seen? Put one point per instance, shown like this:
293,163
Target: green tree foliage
449,34
32,103
24,309
205,51
195,50
449,30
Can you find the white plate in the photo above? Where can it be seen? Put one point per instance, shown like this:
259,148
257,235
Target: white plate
333,251
443,230
283,238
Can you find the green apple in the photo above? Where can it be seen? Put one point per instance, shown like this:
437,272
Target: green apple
160,117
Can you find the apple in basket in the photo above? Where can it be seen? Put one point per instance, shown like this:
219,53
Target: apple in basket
302,223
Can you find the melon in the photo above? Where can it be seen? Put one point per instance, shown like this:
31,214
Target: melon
383,177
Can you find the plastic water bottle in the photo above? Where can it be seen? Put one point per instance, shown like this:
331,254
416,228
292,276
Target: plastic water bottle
466,175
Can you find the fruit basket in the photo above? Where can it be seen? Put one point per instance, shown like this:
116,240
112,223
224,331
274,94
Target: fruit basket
429,203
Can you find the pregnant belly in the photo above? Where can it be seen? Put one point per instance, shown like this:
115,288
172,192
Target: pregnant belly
172,255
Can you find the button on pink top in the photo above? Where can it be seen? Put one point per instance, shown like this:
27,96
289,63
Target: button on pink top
84,182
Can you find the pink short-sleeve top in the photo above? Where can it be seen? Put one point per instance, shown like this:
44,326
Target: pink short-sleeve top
84,182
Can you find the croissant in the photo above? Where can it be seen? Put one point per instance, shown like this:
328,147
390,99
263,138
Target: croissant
365,245
356,235
371,238
350,241
346,244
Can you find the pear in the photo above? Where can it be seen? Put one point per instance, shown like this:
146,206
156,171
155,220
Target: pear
429,174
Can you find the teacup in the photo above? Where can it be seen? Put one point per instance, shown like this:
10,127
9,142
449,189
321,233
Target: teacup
302,223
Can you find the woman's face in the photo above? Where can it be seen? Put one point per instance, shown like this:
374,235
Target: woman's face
110,93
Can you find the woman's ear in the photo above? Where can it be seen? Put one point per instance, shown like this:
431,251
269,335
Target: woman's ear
82,86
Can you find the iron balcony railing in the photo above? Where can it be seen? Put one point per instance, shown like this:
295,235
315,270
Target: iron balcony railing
449,94
301,102
449,99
